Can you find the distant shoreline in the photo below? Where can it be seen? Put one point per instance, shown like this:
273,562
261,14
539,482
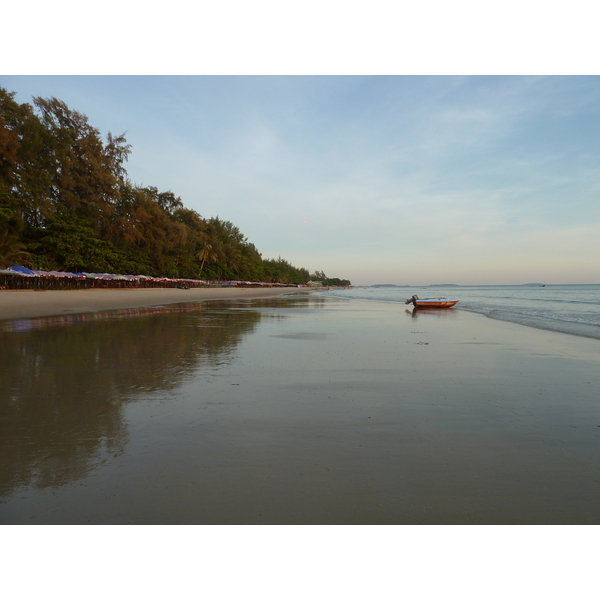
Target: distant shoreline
28,304
469,285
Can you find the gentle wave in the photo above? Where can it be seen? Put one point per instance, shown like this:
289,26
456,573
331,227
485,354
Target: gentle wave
572,309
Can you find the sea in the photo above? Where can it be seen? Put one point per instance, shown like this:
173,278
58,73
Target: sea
571,309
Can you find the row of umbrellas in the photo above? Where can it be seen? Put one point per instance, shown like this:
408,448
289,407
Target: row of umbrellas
25,272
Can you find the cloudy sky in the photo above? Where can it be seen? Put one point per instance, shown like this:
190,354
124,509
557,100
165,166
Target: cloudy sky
378,179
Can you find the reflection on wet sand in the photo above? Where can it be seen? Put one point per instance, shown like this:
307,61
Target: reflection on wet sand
290,411
65,380
440,313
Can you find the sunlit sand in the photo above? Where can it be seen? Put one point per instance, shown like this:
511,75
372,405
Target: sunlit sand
30,304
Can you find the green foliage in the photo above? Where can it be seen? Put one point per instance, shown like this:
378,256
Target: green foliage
227,254
331,281
86,173
10,218
25,170
69,242
12,251
66,203
281,271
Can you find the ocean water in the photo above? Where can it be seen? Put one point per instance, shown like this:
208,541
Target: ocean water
571,309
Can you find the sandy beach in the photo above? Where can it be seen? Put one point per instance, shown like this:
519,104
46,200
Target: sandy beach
31,304
298,410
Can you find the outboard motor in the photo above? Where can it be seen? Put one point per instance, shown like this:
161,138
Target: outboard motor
412,300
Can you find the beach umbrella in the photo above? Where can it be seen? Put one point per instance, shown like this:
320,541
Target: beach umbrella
22,271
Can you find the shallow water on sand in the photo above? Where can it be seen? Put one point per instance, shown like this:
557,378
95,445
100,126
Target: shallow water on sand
572,309
296,410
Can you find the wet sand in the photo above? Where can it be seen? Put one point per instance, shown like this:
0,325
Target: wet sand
15,304
305,410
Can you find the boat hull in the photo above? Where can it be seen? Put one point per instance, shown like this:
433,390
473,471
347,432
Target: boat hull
441,303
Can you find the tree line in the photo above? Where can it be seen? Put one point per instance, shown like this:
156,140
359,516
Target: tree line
66,203
320,277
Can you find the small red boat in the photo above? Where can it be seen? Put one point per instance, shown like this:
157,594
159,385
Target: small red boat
431,302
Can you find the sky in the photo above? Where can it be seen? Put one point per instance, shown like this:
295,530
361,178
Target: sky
377,179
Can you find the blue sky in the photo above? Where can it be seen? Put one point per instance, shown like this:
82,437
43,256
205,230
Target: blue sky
379,179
